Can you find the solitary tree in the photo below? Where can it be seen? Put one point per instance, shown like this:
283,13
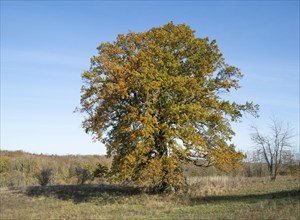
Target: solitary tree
155,100
273,146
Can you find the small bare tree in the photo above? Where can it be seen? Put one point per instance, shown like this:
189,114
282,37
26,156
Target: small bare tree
272,146
44,177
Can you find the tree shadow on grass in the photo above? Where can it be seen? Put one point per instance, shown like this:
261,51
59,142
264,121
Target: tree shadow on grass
110,194
100,194
251,198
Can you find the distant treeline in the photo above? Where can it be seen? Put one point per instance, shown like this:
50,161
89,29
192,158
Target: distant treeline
18,168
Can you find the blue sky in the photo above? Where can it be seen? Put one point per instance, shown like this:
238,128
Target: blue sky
45,46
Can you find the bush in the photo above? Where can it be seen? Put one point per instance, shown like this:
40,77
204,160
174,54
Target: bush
83,173
100,170
4,164
13,179
44,177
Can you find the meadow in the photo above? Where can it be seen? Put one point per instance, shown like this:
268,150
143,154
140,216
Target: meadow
219,197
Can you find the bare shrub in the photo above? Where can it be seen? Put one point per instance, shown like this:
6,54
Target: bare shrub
82,172
44,177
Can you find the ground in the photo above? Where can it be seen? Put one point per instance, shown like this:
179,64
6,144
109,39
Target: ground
205,198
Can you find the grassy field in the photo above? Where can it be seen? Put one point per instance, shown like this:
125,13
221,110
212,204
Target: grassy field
204,198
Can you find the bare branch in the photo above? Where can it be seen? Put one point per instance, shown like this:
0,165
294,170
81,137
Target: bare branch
273,146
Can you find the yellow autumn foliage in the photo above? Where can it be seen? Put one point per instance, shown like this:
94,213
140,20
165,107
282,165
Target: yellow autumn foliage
155,100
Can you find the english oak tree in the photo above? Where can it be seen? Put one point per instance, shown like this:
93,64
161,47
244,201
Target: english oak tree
155,100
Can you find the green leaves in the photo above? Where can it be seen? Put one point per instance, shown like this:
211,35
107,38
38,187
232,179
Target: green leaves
152,91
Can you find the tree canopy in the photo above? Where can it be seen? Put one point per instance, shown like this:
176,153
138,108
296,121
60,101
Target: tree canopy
156,99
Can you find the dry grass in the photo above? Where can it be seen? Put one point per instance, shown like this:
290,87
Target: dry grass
214,185
205,198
